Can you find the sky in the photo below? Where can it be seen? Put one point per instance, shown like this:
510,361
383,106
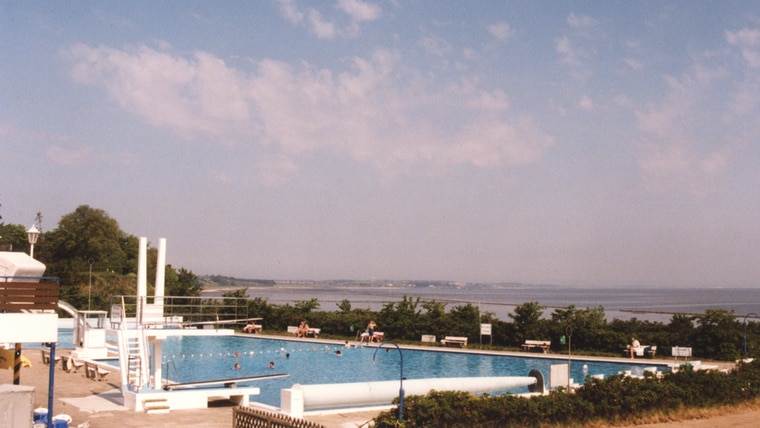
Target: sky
581,143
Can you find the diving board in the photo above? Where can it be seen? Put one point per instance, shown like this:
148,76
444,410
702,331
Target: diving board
167,321
228,383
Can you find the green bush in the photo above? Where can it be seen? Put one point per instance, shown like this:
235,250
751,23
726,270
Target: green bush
611,400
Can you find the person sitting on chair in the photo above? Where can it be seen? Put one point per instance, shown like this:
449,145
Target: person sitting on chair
303,329
251,328
635,345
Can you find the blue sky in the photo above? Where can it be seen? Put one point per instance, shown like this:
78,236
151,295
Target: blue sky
574,143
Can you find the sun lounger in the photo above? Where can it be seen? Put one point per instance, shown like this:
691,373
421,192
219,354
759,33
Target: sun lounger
376,337
427,338
641,351
252,328
537,345
454,341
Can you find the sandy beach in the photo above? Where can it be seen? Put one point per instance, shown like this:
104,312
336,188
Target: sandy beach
99,403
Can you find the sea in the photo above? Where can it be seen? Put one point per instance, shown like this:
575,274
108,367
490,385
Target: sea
645,303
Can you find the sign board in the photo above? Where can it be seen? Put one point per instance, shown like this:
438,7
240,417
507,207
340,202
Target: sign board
485,329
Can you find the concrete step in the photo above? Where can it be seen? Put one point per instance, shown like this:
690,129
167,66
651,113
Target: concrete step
154,406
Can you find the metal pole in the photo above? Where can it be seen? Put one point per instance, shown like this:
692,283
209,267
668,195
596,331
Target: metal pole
17,364
89,292
745,332
569,333
401,378
51,389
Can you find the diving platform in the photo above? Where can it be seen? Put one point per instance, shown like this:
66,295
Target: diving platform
228,383
195,395
195,398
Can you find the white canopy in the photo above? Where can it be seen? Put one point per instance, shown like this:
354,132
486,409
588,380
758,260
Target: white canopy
19,264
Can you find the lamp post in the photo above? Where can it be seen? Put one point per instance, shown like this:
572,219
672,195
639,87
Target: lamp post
745,333
569,333
89,291
32,234
401,378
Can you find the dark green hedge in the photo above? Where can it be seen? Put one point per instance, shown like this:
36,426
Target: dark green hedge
614,399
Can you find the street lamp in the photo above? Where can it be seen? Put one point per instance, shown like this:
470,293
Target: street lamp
401,378
32,234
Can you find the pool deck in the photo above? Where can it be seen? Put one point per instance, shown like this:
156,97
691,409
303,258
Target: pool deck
101,403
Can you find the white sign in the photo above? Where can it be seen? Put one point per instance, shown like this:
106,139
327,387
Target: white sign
485,329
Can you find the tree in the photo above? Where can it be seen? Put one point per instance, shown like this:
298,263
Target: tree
587,326
719,335
526,321
181,282
344,305
83,235
400,320
13,237
464,321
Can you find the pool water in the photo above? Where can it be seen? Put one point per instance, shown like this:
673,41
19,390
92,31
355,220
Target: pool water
198,358
65,340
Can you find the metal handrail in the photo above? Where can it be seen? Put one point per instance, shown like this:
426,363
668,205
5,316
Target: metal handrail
180,310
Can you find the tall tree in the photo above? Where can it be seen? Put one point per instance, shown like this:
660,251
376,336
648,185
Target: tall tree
526,319
84,237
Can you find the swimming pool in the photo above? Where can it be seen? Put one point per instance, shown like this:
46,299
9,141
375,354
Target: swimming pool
198,358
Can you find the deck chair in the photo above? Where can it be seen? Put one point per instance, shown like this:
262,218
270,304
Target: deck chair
102,374
94,372
46,357
90,371
71,365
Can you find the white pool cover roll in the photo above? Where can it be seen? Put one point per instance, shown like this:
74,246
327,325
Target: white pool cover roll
364,393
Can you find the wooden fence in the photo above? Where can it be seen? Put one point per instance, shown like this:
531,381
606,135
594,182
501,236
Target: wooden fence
246,417
29,295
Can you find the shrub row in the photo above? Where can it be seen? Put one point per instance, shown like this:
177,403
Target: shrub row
612,400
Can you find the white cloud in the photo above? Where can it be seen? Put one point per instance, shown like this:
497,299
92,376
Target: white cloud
321,28
359,10
564,47
586,103
435,46
678,152
574,57
633,64
501,31
745,36
326,28
376,111
580,21
749,42
70,157
290,11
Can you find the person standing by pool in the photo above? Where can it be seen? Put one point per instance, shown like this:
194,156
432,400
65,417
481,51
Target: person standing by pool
371,331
